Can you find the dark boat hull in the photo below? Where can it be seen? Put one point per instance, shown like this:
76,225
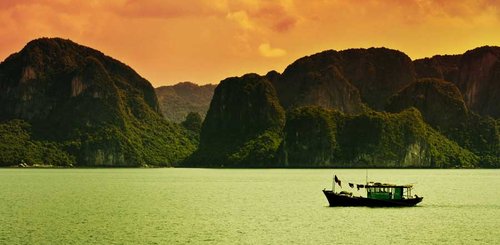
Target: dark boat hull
337,200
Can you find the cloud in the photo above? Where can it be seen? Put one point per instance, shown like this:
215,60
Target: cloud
276,16
241,17
266,50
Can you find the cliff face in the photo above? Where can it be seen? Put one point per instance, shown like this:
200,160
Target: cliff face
242,126
378,73
177,101
440,103
444,67
479,80
476,73
345,80
97,108
318,80
442,107
310,138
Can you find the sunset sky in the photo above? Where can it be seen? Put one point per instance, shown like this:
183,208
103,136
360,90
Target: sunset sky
204,41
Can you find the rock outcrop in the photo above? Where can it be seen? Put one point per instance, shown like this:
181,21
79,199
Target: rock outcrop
439,101
443,107
344,80
243,125
378,73
318,80
444,67
479,80
476,73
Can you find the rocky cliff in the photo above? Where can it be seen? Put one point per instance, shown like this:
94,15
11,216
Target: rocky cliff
444,67
344,80
178,100
318,80
378,73
96,108
479,80
443,107
439,101
243,125
476,73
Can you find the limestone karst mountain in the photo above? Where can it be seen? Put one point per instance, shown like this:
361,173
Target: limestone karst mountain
93,108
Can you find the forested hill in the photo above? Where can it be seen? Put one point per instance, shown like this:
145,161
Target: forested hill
67,104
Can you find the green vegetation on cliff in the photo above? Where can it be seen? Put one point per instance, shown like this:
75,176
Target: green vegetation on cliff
443,107
310,137
318,137
18,147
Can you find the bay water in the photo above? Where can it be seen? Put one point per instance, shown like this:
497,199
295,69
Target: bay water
241,206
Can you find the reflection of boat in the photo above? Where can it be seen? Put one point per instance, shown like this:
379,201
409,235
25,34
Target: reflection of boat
377,195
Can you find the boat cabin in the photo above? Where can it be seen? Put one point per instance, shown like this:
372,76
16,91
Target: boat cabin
383,191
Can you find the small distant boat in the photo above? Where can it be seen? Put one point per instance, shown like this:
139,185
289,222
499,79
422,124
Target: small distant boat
377,195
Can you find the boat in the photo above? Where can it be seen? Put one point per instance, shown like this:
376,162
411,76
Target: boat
377,195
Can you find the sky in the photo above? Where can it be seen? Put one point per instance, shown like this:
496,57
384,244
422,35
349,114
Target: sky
205,41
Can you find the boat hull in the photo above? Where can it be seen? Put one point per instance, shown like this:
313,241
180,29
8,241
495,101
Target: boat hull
337,200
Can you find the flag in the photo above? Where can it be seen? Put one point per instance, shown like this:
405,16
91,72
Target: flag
351,185
338,181
360,186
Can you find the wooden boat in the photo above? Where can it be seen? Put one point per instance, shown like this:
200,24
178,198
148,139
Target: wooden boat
377,195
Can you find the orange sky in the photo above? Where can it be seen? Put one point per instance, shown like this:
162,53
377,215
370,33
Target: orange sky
204,41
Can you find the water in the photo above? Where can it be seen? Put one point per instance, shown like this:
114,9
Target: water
240,206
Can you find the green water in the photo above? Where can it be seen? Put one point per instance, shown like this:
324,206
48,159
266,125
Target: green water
240,206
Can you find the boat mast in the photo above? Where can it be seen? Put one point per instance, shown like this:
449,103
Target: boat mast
333,183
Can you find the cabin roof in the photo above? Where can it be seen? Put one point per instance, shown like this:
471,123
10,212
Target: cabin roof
377,184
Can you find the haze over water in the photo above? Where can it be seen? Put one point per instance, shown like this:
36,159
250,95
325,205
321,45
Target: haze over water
242,206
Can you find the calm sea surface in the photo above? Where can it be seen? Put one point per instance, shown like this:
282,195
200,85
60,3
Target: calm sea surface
240,206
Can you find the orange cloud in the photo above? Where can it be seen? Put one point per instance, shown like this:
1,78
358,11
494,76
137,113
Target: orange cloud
266,50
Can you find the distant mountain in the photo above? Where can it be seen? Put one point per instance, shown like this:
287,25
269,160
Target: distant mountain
178,100
90,108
